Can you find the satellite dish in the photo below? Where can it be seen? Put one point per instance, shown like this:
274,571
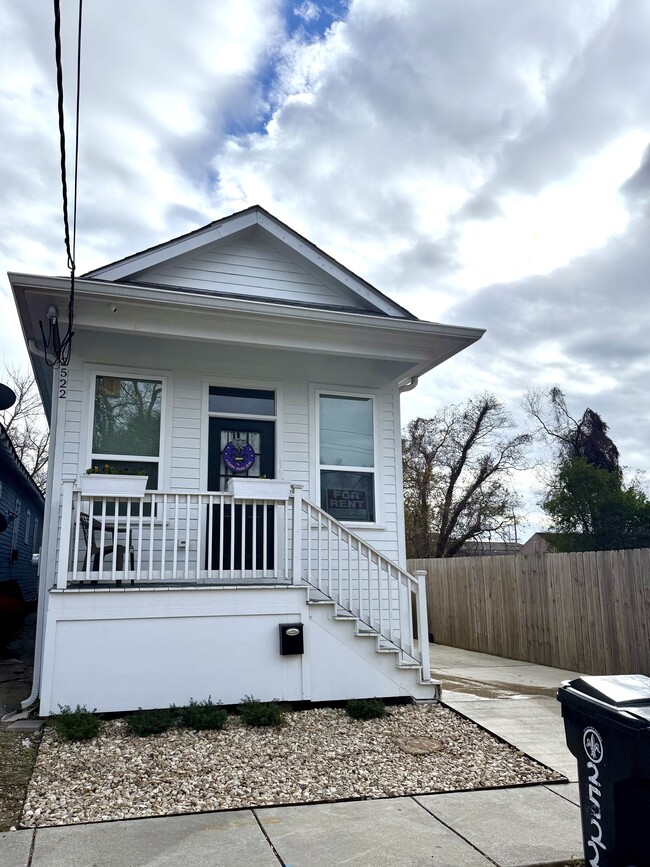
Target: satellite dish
7,397
3,523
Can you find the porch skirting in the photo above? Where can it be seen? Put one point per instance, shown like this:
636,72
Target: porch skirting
121,648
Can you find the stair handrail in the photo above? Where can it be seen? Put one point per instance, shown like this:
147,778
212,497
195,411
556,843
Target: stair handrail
415,583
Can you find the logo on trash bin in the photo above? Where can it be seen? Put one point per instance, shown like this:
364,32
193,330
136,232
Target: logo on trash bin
593,744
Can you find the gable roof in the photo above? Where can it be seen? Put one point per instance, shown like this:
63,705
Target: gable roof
9,453
329,284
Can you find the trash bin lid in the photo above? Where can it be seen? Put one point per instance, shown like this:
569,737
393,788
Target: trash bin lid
624,695
620,690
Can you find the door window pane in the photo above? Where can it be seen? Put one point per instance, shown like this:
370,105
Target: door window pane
346,432
242,401
127,416
348,496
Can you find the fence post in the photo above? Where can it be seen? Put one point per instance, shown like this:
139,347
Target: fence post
423,624
296,534
64,539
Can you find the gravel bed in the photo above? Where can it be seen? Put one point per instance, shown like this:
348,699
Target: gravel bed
318,755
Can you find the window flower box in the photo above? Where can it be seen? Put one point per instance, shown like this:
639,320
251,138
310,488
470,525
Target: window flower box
258,489
112,485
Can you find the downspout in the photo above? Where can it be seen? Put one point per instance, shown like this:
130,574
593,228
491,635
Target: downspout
410,385
43,558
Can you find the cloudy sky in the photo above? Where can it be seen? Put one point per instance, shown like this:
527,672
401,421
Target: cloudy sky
485,162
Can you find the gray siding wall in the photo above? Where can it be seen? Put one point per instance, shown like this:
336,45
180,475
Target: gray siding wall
249,266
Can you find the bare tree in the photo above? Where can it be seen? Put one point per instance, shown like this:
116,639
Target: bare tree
26,425
458,469
585,437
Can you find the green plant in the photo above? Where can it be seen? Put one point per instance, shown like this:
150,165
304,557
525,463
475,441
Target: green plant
254,712
152,722
366,708
204,715
109,470
79,724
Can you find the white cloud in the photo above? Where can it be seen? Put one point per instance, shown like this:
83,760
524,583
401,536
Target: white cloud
466,156
307,10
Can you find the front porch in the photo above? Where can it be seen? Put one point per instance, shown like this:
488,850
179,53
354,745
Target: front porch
116,553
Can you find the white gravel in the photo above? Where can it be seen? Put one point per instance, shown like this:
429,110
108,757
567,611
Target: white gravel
318,755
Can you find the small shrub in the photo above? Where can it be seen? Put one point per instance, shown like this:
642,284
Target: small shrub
76,725
152,722
254,712
366,708
204,715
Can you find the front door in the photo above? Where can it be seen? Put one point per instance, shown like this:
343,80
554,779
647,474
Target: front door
254,441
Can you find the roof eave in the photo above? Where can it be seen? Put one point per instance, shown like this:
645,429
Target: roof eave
130,266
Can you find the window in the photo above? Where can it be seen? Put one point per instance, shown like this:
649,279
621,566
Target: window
35,541
126,425
347,457
241,401
28,526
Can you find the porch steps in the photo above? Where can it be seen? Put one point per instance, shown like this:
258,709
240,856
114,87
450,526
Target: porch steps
382,645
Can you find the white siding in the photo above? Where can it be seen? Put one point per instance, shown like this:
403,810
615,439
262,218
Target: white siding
184,471
74,412
171,643
186,417
251,266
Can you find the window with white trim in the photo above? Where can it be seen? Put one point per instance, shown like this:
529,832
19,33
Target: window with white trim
347,457
126,425
35,539
28,525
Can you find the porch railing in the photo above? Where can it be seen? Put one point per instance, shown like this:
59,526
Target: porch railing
173,537
210,538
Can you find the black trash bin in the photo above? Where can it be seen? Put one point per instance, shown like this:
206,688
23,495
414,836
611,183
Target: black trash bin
607,724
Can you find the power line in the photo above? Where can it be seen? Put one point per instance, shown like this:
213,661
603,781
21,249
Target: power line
61,348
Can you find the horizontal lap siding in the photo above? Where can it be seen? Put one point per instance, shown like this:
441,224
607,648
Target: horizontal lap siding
186,415
75,417
294,451
17,496
249,267
184,451
386,540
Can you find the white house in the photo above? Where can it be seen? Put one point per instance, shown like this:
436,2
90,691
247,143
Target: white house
256,382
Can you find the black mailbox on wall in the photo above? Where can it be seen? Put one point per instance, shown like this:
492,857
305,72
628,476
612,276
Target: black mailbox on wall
291,639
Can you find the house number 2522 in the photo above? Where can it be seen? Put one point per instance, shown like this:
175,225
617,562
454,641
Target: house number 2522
63,383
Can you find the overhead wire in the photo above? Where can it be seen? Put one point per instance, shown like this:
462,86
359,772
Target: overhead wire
57,350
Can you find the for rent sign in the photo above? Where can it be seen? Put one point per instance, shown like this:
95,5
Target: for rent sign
348,505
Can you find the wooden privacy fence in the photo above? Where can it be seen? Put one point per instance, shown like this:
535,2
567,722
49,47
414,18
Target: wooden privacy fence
588,612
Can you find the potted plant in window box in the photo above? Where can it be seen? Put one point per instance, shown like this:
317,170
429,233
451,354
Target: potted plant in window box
113,481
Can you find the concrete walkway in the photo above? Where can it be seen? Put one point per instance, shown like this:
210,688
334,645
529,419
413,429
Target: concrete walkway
534,825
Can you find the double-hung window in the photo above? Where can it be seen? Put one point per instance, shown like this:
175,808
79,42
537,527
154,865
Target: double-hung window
126,426
347,457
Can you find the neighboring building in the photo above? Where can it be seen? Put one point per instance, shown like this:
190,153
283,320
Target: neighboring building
556,543
256,382
21,505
